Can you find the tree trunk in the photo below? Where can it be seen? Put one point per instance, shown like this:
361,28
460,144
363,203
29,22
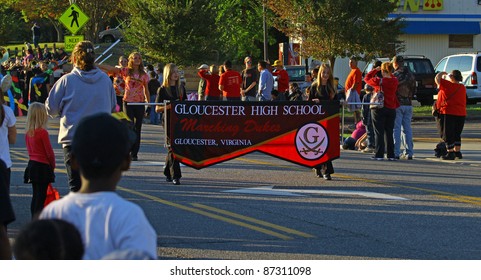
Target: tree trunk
58,27
332,60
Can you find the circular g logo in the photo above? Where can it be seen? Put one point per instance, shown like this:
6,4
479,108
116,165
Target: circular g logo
312,141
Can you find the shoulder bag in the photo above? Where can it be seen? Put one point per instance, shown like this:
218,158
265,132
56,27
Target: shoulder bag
377,98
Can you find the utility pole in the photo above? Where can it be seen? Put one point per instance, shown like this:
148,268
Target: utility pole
266,56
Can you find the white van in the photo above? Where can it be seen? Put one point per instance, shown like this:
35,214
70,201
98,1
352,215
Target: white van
470,66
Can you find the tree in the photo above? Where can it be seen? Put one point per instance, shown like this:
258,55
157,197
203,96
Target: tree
99,13
51,10
339,28
13,27
196,31
179,31
239,24
40,9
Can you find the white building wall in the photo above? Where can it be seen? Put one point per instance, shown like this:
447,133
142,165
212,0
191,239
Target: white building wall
435,47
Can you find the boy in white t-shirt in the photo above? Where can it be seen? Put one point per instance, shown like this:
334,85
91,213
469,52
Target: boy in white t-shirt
107,222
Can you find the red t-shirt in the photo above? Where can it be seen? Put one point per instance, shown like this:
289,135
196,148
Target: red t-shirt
282,80
212,87
231,81
39,147
354,77
451,98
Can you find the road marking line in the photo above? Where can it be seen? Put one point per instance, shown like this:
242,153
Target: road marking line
266,163
253,220
208,214
445,195
466,199
190,209
147,163
293,192
264,191
19,155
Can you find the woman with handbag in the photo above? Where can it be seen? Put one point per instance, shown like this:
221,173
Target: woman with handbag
384,114
451,105
323,89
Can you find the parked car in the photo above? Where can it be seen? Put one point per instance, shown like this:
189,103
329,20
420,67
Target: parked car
423,71
111,35
470,66
297,74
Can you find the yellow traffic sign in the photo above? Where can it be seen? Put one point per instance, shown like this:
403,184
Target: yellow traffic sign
71,41
73,18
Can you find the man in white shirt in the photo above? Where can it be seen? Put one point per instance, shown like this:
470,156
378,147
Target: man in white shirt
107,222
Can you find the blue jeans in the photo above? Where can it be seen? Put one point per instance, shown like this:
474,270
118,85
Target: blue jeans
402,124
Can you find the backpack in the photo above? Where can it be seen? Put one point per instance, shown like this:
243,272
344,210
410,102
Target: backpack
407,83
440,149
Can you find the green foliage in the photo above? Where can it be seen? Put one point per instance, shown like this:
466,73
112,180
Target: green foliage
13,27
338,28
195,31
50,11
239,25
98,12
179,31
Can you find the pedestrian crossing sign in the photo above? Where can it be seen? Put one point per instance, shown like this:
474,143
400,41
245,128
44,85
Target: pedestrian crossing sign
73,19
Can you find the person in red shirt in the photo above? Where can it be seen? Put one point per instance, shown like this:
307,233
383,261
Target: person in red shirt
41,164
383,118
230,83
354,82
451,104
212,78
282,77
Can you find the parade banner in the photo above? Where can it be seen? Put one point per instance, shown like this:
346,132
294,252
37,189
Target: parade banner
204,133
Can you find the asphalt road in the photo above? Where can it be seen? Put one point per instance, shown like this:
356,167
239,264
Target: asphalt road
258,207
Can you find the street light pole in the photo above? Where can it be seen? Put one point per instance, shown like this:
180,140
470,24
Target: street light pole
266,56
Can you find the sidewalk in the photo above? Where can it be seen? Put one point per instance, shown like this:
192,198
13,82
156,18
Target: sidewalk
426,137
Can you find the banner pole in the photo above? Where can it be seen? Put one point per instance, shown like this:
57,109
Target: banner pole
342,126
167,145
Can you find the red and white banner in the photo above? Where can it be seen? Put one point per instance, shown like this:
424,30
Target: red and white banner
205,133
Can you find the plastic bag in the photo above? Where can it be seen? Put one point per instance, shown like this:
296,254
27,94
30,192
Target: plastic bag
52,194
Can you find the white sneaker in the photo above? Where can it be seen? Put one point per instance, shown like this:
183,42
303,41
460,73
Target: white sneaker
368,150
